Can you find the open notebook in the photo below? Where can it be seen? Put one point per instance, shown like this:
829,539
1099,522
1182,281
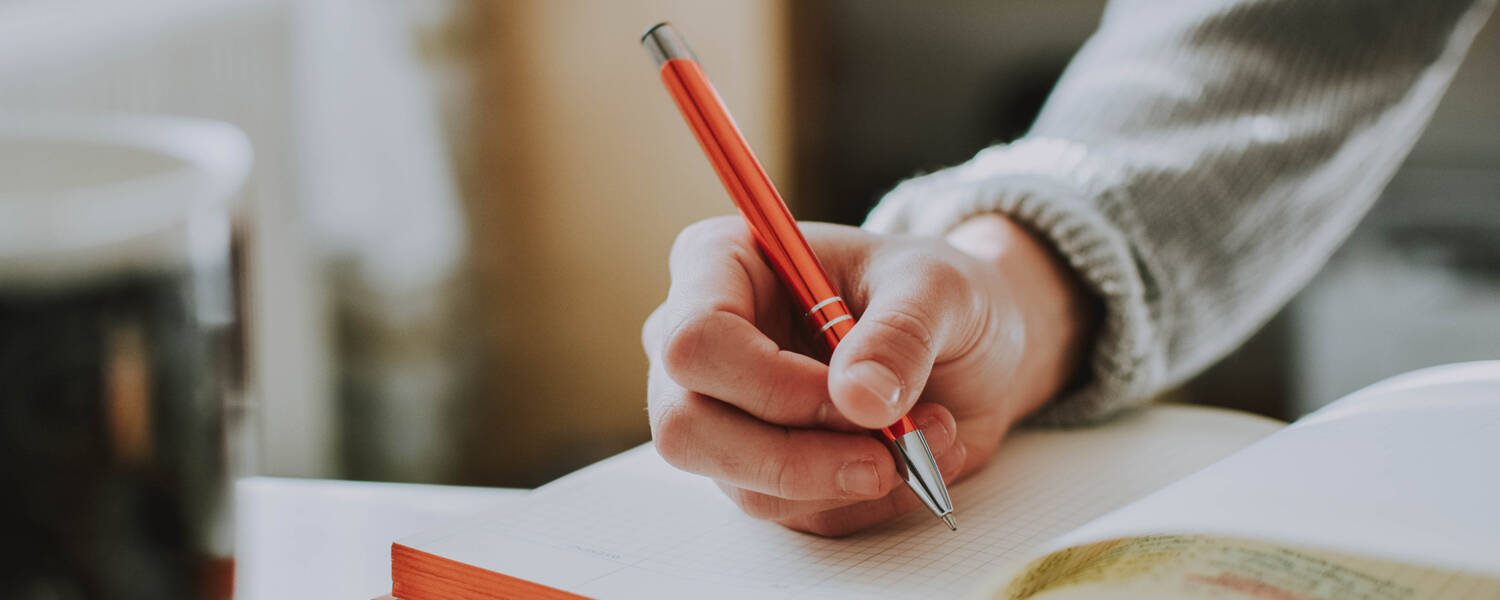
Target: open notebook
1393,492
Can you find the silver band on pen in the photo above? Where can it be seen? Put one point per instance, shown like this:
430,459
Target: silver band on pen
835,320
820,305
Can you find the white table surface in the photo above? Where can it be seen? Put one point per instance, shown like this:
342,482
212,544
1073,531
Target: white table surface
331,540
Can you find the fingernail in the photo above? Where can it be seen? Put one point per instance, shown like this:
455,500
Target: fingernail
822,417
934,427
878,381
951,461
859,479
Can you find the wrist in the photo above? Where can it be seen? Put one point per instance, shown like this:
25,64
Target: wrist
1057,313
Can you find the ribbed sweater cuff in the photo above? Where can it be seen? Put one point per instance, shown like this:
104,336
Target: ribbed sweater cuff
1054,188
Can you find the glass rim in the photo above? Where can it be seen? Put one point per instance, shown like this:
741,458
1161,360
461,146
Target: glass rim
125,220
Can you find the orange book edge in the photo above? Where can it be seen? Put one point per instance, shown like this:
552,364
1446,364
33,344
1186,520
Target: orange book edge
418,575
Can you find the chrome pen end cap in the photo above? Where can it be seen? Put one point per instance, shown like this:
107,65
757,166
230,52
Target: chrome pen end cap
653,28
663,44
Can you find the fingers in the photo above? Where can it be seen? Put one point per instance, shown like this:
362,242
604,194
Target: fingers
702,435
707,339
715,267
918,311
728,402
937,425
725,357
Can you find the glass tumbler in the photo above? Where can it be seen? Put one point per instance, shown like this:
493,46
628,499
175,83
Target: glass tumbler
120,355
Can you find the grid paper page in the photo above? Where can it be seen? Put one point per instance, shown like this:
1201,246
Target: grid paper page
1410,480
634,527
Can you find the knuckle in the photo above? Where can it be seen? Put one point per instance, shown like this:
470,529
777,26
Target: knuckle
760,506
672,434
906,328
826,524
708,232
651,331
680,350
776,403
786,474
942,275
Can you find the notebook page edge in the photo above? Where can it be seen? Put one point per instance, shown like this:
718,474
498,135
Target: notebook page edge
1453,404
1169,422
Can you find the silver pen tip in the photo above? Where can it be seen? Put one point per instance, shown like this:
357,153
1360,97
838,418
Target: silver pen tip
948,520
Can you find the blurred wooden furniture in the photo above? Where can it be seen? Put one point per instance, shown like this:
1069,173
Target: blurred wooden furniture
586,174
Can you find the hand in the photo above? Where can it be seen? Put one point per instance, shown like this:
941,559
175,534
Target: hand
968,341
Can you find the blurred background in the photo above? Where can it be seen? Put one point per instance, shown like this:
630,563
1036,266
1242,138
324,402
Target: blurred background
460,210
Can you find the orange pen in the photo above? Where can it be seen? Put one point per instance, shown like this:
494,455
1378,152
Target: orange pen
781,242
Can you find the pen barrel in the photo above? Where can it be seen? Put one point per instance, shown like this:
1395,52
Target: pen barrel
901,427
780,240
771,223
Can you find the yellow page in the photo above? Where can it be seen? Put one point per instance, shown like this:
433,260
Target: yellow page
1392,492
1203,567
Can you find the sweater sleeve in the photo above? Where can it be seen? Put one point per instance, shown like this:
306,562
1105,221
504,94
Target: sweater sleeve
1199,161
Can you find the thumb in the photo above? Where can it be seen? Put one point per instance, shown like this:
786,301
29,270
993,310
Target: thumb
879,369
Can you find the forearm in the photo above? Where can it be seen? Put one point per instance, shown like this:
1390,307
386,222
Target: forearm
1199,161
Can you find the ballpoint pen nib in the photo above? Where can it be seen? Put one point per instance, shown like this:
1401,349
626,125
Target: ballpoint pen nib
948,520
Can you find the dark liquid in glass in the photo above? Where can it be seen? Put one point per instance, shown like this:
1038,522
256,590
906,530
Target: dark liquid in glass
112,457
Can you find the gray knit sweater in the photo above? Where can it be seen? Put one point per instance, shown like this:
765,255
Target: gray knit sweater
1199,161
